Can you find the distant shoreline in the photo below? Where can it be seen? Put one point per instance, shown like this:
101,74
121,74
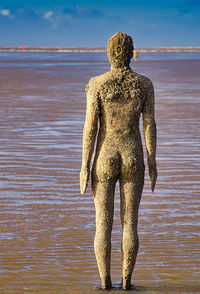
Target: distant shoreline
97,50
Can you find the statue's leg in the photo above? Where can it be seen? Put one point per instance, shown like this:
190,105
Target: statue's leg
104,204
130,194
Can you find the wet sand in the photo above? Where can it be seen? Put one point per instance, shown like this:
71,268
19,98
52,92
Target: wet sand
47,228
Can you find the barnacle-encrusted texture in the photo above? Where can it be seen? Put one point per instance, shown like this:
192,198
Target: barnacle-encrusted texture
120,49
115,101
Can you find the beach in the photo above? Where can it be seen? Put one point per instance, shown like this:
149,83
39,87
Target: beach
47,227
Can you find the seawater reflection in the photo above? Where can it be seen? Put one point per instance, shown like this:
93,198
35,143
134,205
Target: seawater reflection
47,228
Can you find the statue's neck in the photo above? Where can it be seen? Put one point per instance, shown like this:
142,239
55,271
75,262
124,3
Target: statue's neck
123,68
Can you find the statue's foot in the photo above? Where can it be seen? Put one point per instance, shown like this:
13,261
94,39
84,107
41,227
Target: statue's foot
126,284
106,283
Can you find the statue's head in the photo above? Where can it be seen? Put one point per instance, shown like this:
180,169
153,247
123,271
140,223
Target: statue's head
120,49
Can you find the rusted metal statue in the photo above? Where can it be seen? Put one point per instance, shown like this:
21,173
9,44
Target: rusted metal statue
115,101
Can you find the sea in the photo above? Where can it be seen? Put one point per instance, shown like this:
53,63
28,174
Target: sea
46,227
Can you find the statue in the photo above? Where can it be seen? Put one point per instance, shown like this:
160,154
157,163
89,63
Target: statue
115,101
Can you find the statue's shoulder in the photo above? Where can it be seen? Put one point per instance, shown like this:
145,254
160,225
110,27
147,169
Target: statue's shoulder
145,82
95,83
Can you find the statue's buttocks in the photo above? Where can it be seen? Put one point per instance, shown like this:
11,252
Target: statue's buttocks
119,149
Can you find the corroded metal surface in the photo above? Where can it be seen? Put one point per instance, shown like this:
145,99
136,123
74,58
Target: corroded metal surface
115,101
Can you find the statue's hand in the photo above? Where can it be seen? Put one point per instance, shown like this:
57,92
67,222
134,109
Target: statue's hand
84,177
153,174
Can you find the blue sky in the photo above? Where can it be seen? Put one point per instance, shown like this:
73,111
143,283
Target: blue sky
88,23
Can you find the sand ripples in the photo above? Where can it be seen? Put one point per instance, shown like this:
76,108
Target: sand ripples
47,228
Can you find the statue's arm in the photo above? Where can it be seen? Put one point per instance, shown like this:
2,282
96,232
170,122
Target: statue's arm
89,135
150,132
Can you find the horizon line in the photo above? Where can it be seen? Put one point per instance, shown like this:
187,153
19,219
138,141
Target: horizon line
96,49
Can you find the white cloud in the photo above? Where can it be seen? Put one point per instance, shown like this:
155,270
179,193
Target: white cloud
48,15
5,12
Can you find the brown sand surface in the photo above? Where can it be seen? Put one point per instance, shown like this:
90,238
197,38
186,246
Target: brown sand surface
46,227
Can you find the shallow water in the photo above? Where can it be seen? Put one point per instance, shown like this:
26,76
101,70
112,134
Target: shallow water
47,228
